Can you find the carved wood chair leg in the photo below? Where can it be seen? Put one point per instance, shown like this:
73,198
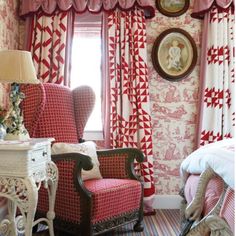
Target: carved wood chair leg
61,233
138,227
86,231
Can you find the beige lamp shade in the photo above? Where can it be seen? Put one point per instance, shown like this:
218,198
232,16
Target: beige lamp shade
17,67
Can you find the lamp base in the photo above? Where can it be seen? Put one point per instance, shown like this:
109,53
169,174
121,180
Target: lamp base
15,126
18,137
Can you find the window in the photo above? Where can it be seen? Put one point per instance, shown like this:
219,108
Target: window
86,65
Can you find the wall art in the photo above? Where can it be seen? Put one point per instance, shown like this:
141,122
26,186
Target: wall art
172,8
174,54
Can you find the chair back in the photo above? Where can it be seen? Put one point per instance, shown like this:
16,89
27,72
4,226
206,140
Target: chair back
52,110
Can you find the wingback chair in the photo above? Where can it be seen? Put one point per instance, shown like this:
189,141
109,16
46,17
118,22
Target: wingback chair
88,207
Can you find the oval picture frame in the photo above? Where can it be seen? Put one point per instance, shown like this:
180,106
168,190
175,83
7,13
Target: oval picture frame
172,8
174,54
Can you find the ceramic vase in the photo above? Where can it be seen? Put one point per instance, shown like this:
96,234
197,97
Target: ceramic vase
2,132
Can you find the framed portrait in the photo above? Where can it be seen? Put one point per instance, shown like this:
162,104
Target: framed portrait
172,8
174,54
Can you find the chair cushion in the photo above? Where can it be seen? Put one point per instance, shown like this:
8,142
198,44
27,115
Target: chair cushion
113,197
86,148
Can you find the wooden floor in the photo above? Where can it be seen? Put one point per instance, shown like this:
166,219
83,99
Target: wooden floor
164,223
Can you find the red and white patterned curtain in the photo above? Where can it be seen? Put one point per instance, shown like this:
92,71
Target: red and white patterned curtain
129,116
50,46
217,118
50,31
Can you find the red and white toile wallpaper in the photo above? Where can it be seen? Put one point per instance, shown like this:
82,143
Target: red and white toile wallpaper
173,104
9,39
9,35
173,107
9,24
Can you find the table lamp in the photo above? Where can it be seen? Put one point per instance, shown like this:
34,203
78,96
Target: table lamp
16,67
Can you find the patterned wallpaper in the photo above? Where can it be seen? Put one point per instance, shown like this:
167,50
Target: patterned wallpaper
9,23
9,34
173,106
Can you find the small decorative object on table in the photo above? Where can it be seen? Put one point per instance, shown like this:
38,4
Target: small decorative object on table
14,123
2,132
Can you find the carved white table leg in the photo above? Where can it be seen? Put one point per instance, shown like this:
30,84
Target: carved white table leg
32,204
21,192
11,217
52,183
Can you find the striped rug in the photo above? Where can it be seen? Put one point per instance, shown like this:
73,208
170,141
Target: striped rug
164,223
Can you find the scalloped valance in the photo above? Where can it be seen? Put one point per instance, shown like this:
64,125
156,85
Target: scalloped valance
201,7
93,6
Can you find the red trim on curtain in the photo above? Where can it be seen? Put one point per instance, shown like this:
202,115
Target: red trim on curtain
106,108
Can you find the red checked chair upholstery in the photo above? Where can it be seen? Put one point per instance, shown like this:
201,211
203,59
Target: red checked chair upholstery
82,207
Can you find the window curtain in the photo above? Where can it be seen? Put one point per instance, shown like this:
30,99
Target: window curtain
126,101
217,76
50,31
50,40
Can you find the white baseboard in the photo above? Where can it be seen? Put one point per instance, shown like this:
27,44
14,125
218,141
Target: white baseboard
167,202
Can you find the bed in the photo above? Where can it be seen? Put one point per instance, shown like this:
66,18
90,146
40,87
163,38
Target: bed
208,180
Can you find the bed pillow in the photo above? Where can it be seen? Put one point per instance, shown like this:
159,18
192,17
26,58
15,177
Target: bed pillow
87,148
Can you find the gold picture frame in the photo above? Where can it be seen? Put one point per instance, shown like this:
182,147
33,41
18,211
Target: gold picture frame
174,54
172,8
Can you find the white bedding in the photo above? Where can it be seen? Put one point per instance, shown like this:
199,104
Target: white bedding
219,156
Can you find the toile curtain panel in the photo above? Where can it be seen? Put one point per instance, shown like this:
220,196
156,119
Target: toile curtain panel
129,117
217,120
50,40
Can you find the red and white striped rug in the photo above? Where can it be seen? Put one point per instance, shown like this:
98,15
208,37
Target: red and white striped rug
164,223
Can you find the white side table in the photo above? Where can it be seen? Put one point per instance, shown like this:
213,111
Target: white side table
24,165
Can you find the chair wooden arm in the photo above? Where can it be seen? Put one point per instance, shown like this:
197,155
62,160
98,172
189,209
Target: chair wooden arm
80,162
119,163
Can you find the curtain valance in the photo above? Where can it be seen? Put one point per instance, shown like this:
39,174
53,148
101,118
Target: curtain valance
93,6
202,6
